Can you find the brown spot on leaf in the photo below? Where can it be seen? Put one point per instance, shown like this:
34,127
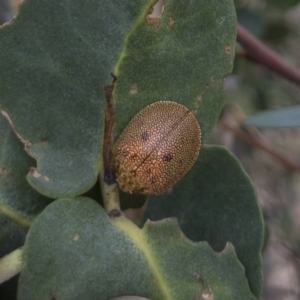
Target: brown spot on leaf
194,112
36,174
26,143
227,49
76,237
3,171
206,292
171,21
212,78
152,21
133,89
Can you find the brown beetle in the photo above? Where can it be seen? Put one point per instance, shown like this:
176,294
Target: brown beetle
158,146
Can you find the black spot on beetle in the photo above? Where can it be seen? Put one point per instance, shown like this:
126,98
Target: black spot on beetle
152,180
180,162
145,136
167,157
133,155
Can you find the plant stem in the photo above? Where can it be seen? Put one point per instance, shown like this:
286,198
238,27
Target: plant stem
10,264
263,55
110,194
246,137
109,188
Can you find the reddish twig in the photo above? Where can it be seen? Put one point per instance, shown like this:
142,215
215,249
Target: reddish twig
109,174
246,137
260,53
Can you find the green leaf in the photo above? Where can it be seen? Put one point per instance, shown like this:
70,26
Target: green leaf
57,56
184,57
19,202
74,251
281,118
216,202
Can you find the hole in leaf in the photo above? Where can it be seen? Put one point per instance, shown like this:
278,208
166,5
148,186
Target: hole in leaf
227,49
155,12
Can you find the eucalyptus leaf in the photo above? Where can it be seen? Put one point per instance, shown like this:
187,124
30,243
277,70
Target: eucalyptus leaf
182,56
216,202
281,118
57,56
19,202
74,251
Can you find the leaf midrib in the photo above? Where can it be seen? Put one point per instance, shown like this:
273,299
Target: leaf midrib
139,239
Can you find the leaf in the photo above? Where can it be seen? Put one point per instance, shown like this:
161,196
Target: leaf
216,202
281,118
19,202
56,58
74,251
58,55
184,57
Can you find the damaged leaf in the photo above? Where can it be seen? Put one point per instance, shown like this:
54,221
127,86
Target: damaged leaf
74,251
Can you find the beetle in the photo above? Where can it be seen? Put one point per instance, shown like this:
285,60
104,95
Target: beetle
158,146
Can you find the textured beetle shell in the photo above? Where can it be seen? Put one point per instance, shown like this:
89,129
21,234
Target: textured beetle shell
158,146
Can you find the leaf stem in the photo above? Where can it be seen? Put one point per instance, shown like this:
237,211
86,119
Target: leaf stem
10,264
109,174
263,55
109,188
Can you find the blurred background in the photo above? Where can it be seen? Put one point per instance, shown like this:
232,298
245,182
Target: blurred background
270,154
253,88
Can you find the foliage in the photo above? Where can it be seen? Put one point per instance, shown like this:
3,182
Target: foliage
56,58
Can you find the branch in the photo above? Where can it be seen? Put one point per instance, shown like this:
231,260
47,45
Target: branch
109,188
263,55
109,174
246,137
